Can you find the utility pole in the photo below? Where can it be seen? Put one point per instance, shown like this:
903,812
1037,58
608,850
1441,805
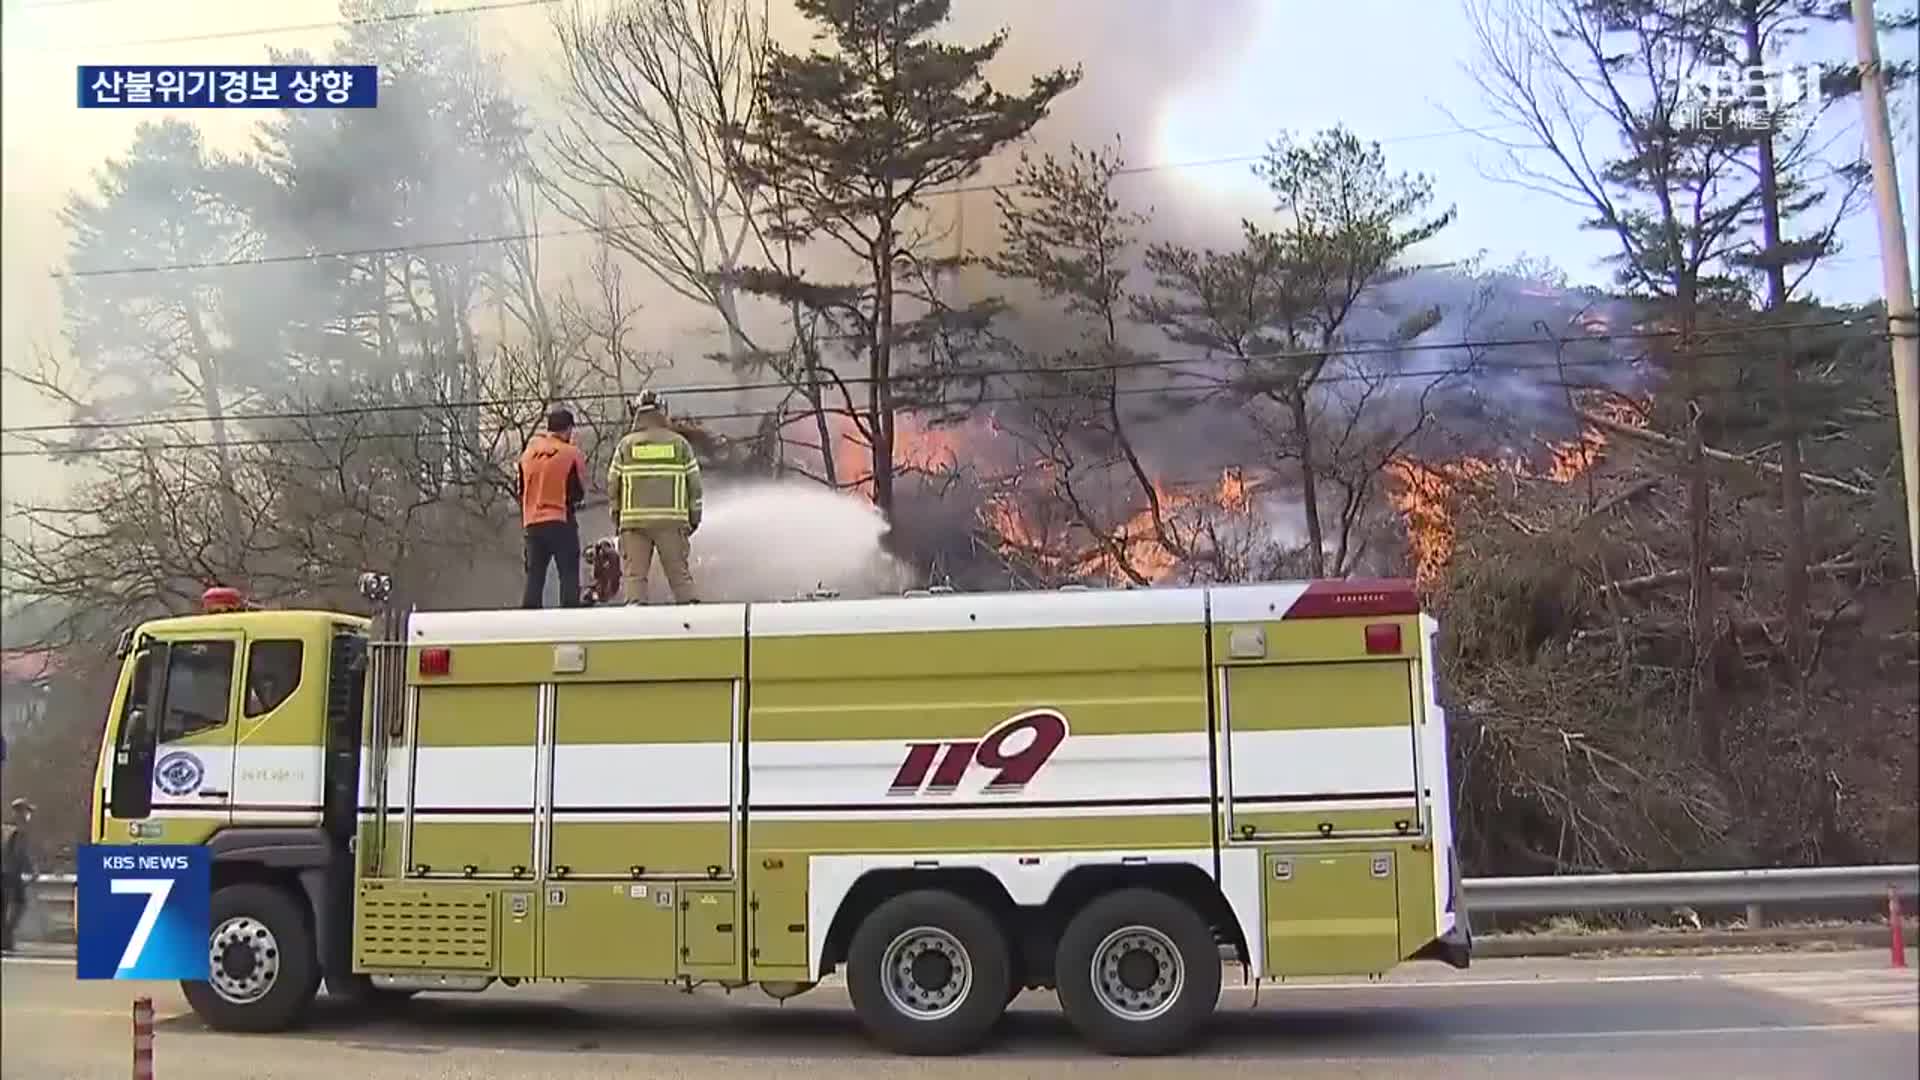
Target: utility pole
1902,327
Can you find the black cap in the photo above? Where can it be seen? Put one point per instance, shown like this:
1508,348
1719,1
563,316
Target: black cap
560,419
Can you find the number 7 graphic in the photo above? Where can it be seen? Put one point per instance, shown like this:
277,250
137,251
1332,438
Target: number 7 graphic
156,890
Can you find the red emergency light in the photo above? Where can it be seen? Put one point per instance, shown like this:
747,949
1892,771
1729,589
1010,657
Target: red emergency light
219,599
436,661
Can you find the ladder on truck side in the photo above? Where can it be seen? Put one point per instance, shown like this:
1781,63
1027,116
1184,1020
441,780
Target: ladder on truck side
389,721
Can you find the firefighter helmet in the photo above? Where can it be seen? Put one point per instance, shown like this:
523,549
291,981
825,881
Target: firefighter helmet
647,402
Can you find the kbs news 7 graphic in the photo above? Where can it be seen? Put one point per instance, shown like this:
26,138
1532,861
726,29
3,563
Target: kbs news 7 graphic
142,912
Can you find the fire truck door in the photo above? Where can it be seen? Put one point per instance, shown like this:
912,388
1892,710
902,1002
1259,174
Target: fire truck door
194,738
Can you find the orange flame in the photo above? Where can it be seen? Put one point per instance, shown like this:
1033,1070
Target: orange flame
1569,460
1150,545
917,447
1424,493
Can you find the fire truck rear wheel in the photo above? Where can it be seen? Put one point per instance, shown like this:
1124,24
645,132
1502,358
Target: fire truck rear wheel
263,967
1138,972
928,972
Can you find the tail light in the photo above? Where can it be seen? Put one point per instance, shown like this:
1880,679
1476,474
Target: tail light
436,661
1383,638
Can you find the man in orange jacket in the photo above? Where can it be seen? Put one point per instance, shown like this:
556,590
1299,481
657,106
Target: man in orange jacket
553,482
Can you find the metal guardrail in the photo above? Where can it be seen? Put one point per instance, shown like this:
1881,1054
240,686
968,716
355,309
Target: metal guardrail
1583,892
1599,892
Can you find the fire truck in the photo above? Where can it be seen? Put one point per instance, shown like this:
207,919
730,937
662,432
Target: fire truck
941,799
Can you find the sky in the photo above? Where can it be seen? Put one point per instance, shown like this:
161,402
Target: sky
1193,88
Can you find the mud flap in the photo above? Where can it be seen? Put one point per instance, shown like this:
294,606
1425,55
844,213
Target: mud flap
1455,947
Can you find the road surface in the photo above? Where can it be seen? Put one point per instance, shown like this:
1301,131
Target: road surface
1756,1015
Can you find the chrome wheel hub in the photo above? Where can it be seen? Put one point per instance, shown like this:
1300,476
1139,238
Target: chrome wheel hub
243,960
1137,973
926,973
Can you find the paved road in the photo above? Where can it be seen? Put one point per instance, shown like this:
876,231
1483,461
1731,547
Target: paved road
1780,1015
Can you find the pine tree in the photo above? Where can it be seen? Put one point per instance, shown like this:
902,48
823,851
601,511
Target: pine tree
1280,305
850,140
1792,181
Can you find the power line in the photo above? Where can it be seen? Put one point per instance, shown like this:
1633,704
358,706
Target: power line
319,439
988,373
296,28
602,230
747,414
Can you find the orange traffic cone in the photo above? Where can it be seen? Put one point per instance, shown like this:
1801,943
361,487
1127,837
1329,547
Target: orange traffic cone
143,1038
1898,946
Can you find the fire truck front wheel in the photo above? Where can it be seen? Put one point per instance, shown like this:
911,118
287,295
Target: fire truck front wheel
928,973
263,969
1138,972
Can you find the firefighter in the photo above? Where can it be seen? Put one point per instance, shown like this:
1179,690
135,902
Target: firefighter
553,482
653,488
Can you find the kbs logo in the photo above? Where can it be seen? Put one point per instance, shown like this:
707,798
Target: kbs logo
1013,766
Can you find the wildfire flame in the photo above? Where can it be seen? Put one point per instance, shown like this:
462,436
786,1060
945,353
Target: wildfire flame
1026,520
1150,544
1424,492
917,447
1566,461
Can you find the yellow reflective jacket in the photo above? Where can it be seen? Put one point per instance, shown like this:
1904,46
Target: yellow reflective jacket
654,479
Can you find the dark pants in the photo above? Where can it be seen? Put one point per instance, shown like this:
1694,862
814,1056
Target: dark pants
13,905
557,542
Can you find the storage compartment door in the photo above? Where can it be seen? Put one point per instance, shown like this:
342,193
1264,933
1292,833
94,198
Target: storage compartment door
473,781
643,780
1320,750
709,938
1331,913
607,930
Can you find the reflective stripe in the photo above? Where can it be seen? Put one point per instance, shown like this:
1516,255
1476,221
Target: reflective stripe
655,452
652,477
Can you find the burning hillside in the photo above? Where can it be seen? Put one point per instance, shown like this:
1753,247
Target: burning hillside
1424,492
1055,519
1186,485
1167,532
1060,523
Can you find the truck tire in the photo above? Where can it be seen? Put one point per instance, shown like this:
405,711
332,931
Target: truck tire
928,973
264,970
1137,972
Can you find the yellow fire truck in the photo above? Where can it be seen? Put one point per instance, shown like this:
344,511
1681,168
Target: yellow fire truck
942,798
